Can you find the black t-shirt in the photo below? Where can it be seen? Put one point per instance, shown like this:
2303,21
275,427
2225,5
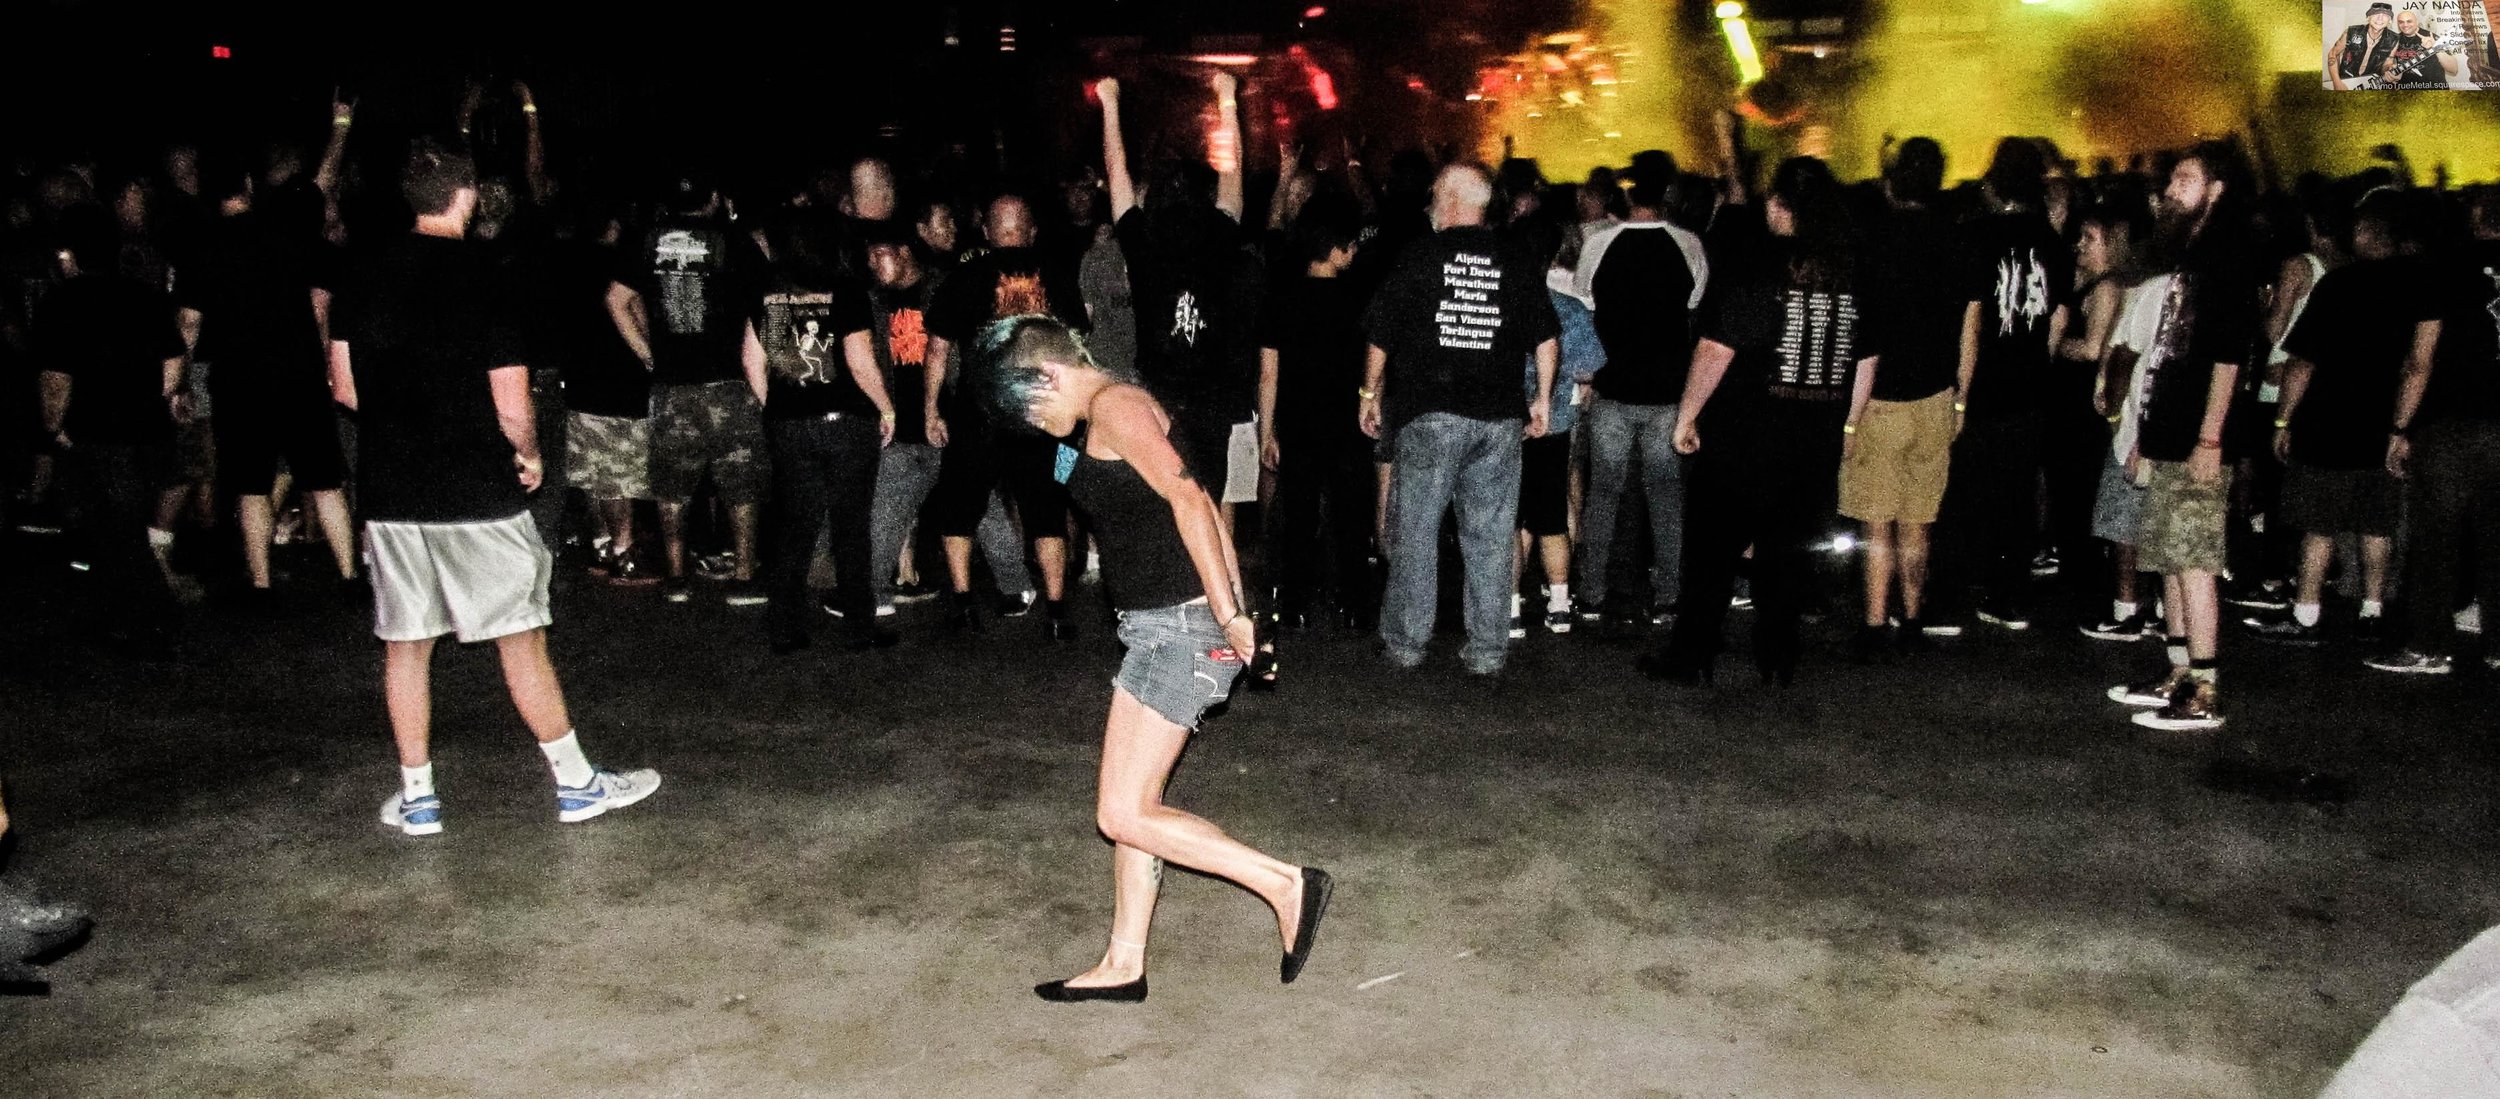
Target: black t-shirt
1793,344
252,285
1457,316
698,288
1640,291
2212,317
425,321
572,331
995,285
2416,66
898,323
802,323
2028,272
1316,329
1926,280
2355,333
2465,370
111,336
1186,275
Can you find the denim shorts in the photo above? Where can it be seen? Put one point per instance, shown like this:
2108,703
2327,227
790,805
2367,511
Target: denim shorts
1178,661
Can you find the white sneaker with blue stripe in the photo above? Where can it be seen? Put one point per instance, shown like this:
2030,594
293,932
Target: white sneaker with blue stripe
414,816
607,790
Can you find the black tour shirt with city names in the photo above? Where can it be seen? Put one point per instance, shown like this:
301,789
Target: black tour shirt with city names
1456,316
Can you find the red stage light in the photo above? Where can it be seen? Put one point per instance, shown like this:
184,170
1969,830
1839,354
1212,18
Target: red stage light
1314,12
221,53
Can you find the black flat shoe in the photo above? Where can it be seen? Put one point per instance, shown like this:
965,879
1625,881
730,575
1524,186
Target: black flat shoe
1316,885
1058,992
1678,672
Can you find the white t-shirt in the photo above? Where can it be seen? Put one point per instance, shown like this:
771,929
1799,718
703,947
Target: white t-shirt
2138,328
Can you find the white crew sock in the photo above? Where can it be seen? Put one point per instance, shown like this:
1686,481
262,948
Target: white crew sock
1557,598
565,755
416,782
2306,614
2121,610
1515,603
2372,608
160,538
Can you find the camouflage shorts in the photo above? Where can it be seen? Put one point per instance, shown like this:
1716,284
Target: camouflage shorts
2181,527
608,457
715,426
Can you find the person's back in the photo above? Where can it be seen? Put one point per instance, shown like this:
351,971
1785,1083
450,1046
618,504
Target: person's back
2029,273
112,336
697,302
426,326
1643,293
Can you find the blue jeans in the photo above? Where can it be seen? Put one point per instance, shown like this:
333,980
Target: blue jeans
1445,459
1615,430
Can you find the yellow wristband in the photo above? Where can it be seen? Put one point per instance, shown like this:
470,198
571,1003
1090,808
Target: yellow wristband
2282,425
1367,394
529,108
1960,407
1848,429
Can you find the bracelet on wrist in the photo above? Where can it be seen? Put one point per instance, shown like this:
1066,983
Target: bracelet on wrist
2208,444
1848,429
2284,424
1367,394
1960,407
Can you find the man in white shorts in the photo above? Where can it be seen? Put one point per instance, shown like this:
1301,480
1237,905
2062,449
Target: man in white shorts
423,349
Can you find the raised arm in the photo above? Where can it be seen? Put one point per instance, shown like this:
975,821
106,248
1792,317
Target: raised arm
533,146
1115,151
334,155
1228,196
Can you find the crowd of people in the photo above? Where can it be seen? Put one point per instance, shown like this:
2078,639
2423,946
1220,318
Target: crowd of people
1660,393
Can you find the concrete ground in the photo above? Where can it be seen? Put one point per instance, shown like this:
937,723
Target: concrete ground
1962,876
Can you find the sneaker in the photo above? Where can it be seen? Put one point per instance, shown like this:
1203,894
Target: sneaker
2154,693
2286,631
914,593
1662,614
2007,617
2190,708
1558,621
2370,630
1518,627
1589,610
627,571
2470,620
2130,628
607,790
1013,606
1910,636
716,566
2410,662
2273,595
1932,628
2045,563
745,593
675,590
1740,601
1870,645
421,817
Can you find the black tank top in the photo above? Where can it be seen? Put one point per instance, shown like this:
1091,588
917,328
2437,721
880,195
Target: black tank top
1144,563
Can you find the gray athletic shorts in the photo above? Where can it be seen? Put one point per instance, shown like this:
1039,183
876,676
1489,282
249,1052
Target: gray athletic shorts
1178,661
2119,507
478,580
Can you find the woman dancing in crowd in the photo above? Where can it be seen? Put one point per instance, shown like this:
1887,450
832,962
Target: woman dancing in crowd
1168,563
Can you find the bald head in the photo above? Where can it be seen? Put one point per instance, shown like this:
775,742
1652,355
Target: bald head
1459,195
1010,223
871,194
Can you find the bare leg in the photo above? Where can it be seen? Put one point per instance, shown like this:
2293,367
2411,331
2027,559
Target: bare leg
619,515
1911,546
958,562
743,520
408,694
1051,552
169,506
2204,614
1879,566
2174,608
673,536
2125,556
907,564
2316,552
531,677
330,507
1556,551
2376,550
258,521
1138,751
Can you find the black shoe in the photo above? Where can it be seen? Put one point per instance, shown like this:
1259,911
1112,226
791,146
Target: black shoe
914,593
863,640
2370,631
1913,637
674,590
1058,626
1316,886
2004,615
2272,595
1058,992
1780,673
960,615
785,644
1013,606
2287,630
1869,645
2130,628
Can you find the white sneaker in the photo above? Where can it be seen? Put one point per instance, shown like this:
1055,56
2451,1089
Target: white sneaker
421,817
607,790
